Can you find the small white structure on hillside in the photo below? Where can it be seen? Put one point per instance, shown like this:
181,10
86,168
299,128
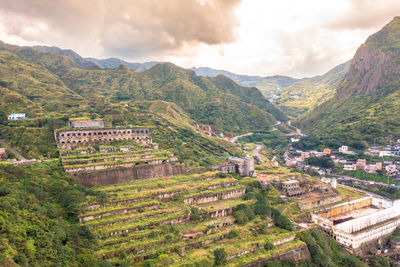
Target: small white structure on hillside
16,116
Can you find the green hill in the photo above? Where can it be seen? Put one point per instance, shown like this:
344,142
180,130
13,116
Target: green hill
301,96
222,103
366,104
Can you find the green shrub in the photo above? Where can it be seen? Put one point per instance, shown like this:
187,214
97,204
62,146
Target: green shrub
268,245
234,233
219,256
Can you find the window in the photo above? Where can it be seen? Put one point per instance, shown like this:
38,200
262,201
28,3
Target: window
62,134
67,134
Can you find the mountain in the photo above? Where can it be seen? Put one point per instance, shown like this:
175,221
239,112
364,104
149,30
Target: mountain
61,84
293,96
301,96
366,104
69,53
115,62
268,85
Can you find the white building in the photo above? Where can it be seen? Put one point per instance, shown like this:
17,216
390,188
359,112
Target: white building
385,153
343,149
16,116
360,221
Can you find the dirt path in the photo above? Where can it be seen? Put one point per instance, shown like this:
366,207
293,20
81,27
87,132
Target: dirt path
13,150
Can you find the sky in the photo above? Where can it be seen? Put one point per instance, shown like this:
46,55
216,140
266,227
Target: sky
299,38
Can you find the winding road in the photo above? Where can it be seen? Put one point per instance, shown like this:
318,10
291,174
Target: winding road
234,139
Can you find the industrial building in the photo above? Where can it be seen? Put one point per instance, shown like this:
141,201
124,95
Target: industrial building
359,221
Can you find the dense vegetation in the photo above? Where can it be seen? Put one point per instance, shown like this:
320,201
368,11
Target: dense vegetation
366,103
56,83
324,252
39,217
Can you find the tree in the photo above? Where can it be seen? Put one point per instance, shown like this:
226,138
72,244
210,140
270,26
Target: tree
219,256
268,245
379,261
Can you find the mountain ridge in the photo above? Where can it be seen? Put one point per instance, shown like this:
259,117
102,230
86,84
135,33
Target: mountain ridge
366,104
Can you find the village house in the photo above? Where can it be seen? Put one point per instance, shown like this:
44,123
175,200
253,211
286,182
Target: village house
343,149
385,153
17,116
370,168
327,151
350,167
391,169
2,151
305,155
361,163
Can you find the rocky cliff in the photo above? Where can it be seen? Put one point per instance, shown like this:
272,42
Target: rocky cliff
367,101
375,63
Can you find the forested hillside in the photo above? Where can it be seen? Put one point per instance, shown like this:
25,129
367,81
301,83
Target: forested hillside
225,105
366,104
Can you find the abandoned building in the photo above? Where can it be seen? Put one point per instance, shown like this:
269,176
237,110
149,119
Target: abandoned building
242,166
73,138
359,221
78,123
85,132
292,188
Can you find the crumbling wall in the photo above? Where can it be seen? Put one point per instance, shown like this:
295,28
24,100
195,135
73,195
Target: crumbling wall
296,254
347,207
107,177
320,202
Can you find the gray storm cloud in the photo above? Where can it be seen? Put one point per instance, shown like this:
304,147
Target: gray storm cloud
133,28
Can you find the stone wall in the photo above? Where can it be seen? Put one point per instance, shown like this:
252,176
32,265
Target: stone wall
296,254
346,207
99,167
218,196
68,139
86,124
107,177
320,202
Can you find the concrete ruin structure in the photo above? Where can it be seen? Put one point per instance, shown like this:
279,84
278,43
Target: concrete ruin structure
72,138
78,123
359,221
82,132
242,166
292,188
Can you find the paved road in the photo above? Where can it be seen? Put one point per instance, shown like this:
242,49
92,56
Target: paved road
13,150
234,139
256,153
371,194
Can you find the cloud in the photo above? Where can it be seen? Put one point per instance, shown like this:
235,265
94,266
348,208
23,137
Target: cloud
134,28
254,37
365,14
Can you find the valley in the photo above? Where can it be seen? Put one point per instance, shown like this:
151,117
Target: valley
106,162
